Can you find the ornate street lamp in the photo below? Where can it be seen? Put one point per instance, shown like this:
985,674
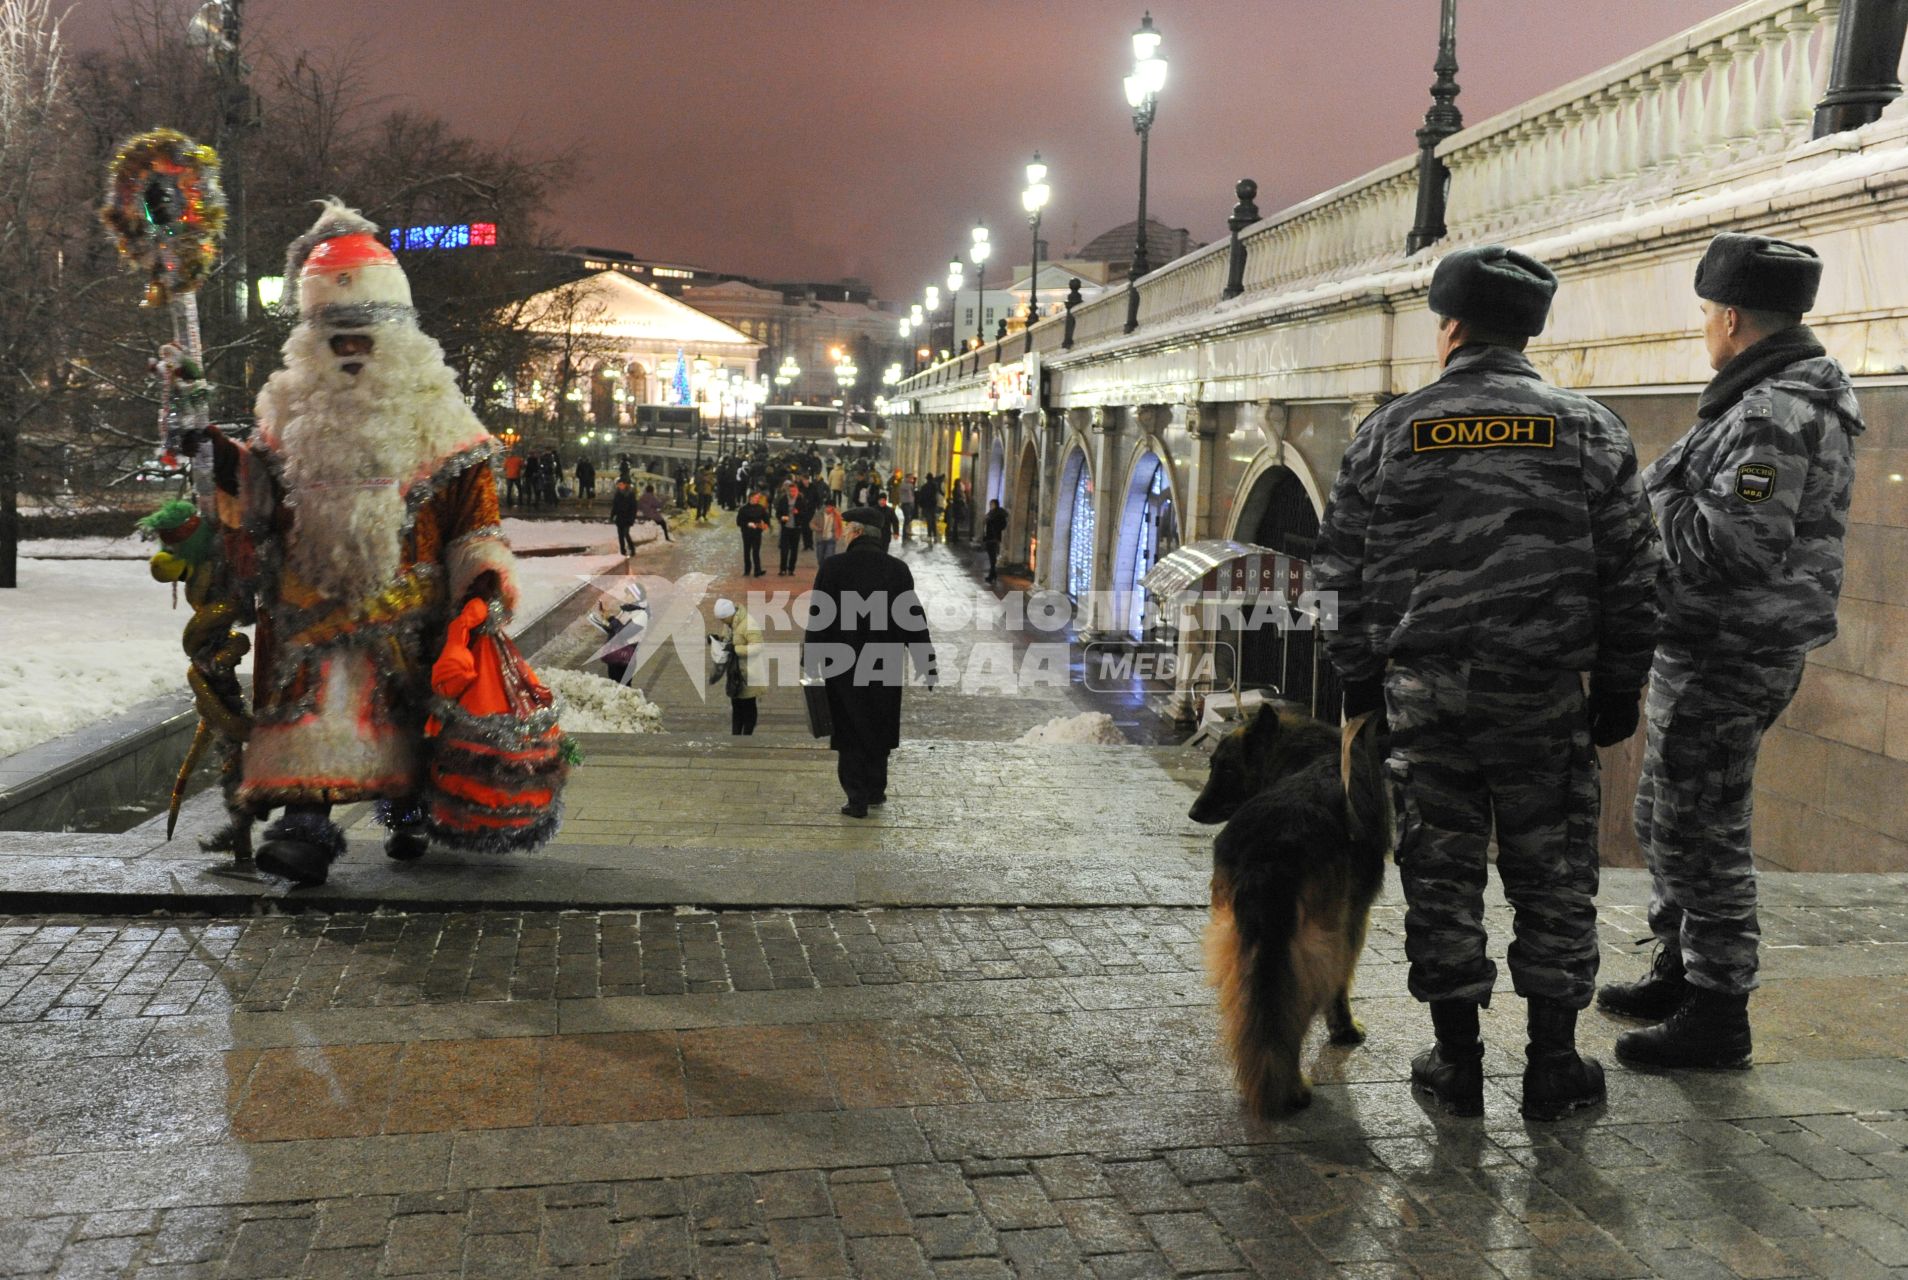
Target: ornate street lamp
979,251
1441,121
1142,94
1033,200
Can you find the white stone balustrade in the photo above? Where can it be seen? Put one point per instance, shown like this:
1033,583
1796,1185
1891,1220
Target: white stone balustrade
1733,90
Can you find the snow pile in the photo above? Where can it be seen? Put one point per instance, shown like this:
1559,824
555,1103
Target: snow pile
81,640
1089,729
596,704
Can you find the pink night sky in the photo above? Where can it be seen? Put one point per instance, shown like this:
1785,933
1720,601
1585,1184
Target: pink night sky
817,139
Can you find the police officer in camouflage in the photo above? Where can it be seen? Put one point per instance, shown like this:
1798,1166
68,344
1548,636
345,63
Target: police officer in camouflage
1753,507
1489,541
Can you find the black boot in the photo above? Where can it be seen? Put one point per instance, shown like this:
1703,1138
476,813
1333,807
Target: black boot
300,847
1655,995
1452,1070
1709,1029
1557,1080
408,838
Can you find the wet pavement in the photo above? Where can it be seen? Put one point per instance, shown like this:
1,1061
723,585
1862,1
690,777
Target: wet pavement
967,1039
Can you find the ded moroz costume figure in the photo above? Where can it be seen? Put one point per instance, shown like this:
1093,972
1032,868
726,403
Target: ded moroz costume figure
364,513
1488,541
1753,506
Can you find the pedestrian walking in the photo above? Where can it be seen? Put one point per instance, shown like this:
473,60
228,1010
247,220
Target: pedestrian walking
738,642
864,654
681,476
956,512
586,479
828,529
1488,541
1753,505
790,517
901,497
552,475
993,529
623,515
649,508
927,502
705,493
513,478
752,518
837,479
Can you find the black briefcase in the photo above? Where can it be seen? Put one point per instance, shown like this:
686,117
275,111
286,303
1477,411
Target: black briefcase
815,701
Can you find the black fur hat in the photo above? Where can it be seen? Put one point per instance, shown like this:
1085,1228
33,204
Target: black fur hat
1495,287
1759,273
869,517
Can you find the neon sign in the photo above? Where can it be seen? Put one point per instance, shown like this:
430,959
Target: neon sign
455,235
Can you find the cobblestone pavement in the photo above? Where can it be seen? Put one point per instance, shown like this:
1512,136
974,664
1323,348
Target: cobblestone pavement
967,1039
890,1093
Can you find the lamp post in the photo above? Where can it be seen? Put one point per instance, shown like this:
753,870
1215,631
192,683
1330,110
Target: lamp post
1441,120
1033,200
1142,94
931,302
956,281
978,251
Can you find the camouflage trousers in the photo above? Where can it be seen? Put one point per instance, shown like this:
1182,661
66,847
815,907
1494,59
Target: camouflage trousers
1475,751
1707,713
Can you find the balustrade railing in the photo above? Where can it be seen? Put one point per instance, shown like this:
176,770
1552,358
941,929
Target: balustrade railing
1736,88
1732,93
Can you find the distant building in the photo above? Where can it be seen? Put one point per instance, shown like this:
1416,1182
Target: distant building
1115,247
622,341
814,324
670,277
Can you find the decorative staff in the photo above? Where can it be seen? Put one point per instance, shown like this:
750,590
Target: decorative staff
166,212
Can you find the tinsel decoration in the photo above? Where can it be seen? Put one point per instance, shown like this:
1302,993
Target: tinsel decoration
165,210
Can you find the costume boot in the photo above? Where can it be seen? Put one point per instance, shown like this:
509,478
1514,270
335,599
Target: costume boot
1655,995
300,847
1557,1080
408,838
1709,1029
1452,1070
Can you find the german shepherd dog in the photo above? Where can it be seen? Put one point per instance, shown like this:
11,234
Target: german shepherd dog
1294,873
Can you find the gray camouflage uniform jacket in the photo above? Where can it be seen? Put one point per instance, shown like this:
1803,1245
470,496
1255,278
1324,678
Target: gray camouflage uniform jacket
1753,508
1492,517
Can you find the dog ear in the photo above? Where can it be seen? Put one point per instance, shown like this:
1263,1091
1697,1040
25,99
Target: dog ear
1264,725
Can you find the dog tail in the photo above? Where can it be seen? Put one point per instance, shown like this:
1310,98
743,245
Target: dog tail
1249,953
1367,798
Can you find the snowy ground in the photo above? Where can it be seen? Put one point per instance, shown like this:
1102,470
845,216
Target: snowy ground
81,640
88,634
1089,728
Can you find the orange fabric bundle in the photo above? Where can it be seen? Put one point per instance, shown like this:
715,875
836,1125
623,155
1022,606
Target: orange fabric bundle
497,768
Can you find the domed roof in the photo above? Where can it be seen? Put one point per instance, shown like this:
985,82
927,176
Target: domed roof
1163,243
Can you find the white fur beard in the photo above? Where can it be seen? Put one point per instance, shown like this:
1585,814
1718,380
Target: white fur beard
346,536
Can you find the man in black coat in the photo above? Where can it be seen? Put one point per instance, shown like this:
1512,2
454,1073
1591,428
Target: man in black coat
863,631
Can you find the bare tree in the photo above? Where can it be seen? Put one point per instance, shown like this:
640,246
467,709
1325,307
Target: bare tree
566,342
38,189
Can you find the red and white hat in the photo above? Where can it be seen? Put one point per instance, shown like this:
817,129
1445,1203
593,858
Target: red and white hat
343,274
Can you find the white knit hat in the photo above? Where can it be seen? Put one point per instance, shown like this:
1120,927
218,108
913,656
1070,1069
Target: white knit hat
724,609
